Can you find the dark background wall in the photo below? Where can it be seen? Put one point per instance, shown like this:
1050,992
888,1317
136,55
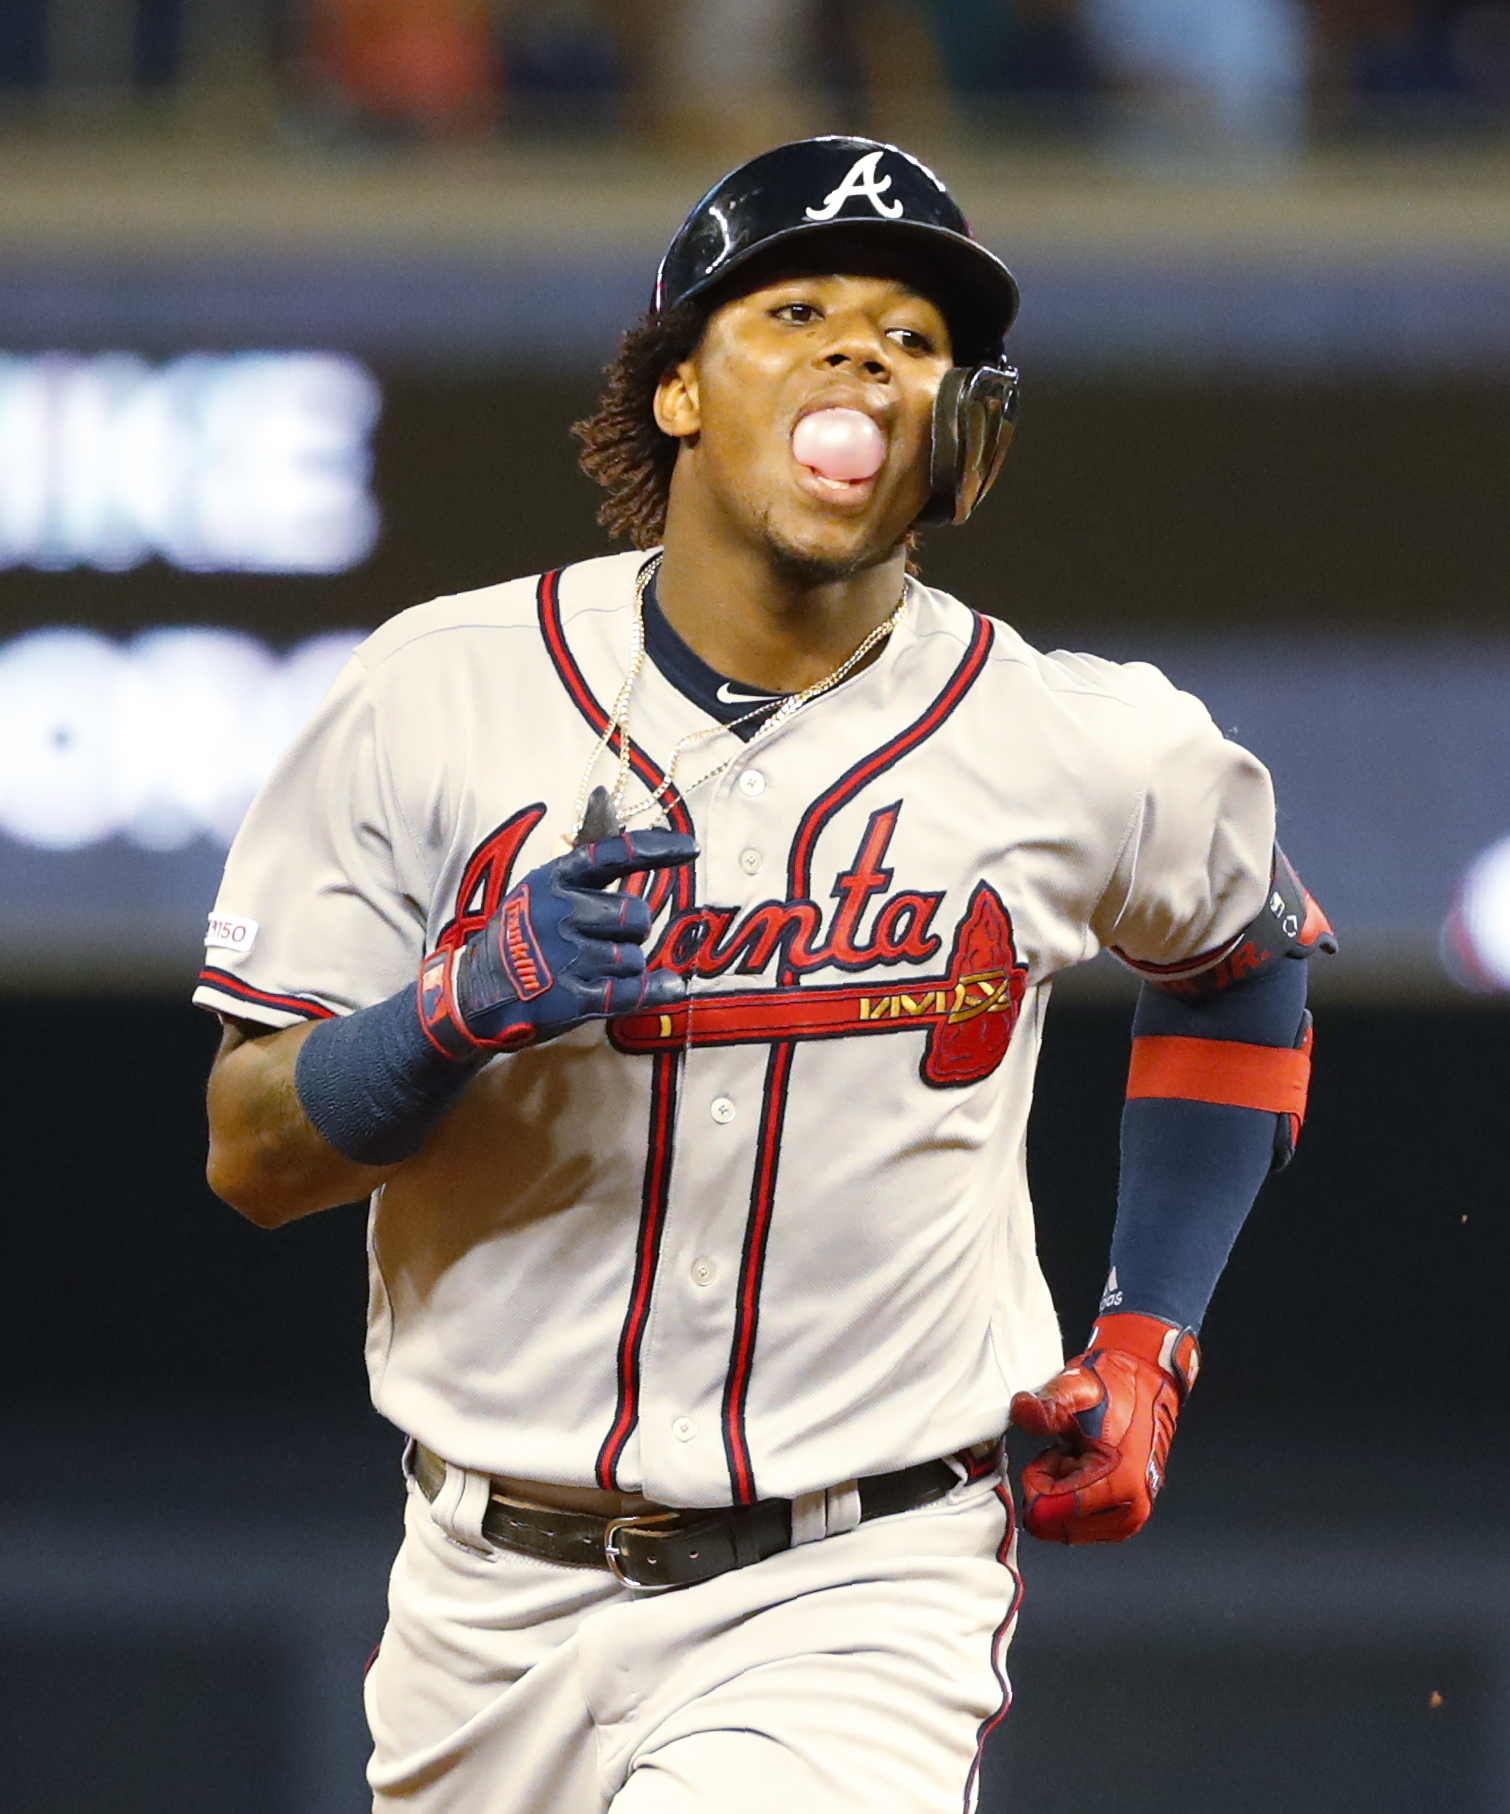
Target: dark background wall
1270,506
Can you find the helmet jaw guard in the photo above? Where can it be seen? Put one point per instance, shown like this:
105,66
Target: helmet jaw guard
791,196
974,419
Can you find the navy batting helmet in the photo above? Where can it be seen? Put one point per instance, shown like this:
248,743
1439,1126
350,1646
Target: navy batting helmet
789,197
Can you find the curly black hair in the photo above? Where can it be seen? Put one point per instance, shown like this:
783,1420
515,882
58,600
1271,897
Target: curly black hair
622,448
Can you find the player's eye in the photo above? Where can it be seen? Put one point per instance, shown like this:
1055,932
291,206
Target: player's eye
913,339
799,313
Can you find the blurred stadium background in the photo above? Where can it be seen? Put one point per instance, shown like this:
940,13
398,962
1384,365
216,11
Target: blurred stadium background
297,300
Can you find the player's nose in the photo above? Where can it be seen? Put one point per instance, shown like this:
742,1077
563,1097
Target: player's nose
857,343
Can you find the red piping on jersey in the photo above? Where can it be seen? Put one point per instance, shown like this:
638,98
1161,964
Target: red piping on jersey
751,1268
1187,966
665,1076
981,1459
799,872
998,1654
779,1070
292,1004
653,1197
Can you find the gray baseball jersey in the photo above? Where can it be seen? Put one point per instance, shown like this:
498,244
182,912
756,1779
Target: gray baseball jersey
781,1236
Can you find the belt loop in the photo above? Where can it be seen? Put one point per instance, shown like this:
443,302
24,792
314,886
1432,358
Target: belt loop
825,1513
809,1518
458,1508
843,1507
979,1460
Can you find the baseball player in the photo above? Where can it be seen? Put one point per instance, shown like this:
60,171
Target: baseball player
663,944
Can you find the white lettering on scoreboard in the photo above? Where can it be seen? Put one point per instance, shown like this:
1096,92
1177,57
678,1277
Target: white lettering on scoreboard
160,741
241,463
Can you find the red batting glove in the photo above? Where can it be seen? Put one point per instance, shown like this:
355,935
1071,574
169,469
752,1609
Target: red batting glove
1110,1415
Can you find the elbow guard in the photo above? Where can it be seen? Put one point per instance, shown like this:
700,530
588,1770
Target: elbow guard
1289,924
1231,1026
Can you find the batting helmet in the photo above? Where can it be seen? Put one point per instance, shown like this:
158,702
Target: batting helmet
791,196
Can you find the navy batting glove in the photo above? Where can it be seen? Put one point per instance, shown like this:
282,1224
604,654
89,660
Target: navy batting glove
559,951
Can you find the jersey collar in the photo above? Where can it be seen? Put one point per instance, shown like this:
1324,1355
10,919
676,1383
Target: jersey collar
712,692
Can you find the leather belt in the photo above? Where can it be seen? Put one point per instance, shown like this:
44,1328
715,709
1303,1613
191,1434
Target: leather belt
658,1550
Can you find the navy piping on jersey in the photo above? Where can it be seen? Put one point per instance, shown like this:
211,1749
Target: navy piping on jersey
665,1080
666,1066
289,1004
704,686
993,1720
752,1272
779,1065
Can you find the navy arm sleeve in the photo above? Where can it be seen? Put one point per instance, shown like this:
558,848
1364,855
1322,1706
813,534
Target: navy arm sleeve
1191,1170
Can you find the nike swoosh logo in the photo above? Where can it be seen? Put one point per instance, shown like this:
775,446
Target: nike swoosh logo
727,698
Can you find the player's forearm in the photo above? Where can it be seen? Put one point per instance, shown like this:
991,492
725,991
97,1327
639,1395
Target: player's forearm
1215,1096
1195,1154
267,1159
321,1114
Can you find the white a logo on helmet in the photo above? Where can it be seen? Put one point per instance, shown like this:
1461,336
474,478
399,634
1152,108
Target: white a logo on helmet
860,180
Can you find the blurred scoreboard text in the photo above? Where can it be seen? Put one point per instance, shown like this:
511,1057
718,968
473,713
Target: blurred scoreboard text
247,462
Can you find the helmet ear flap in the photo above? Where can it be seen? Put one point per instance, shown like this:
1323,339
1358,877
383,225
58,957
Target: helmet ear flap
974,418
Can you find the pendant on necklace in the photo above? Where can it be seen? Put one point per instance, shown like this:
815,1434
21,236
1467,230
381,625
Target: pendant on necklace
599,821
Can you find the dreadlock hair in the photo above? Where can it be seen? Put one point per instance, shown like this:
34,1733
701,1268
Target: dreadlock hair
622,447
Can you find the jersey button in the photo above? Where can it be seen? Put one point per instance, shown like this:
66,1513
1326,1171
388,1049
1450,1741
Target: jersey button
704,1272
752,782
750,862
684,1429
722,1110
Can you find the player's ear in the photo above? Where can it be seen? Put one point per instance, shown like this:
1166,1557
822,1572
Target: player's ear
677,409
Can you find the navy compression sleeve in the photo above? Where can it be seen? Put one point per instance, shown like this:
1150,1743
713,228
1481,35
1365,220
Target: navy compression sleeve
1191,1165
373,1085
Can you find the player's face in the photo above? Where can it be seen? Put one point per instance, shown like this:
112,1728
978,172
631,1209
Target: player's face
769,358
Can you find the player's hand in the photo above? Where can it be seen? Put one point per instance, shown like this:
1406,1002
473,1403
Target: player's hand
1110,1417
559,951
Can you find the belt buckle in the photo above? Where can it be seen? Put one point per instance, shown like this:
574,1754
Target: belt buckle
616,1559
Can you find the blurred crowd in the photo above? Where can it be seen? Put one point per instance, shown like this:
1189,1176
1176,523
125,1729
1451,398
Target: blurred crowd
731,75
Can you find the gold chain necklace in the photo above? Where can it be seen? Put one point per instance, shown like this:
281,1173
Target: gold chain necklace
786,710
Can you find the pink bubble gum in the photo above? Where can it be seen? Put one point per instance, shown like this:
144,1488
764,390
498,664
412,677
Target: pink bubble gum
839,444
